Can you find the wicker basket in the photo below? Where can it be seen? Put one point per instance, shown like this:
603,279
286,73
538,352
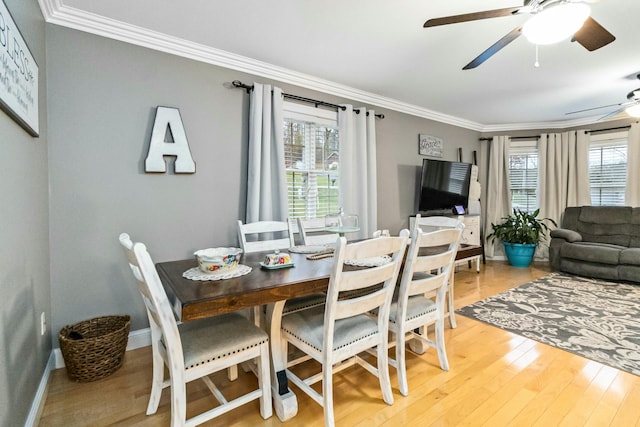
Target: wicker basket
94,348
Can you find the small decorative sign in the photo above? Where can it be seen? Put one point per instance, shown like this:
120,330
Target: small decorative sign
430,146
18,75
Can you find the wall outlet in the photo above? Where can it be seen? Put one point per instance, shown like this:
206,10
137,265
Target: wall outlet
43,323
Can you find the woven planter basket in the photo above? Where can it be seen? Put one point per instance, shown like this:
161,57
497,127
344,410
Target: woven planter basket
94,348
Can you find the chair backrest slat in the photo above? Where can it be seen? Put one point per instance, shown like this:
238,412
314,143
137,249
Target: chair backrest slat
313,232
264,236
430,271
345,278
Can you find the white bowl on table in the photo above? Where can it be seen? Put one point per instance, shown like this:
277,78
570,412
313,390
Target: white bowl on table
218,260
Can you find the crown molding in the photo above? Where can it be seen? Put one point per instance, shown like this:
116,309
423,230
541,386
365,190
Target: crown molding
56,12
587,121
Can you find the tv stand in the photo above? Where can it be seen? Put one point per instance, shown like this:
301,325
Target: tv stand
437,212
471,233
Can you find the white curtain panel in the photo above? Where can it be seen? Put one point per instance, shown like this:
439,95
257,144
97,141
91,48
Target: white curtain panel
358,185
632,193
497,199
563,171
563,175
266,177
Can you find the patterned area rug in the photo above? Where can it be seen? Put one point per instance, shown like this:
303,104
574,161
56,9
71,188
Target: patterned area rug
592,318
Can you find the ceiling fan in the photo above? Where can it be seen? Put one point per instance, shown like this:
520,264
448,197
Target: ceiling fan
631,106
569,17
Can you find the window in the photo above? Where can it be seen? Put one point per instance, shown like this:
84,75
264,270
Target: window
312,160
608,169
523,175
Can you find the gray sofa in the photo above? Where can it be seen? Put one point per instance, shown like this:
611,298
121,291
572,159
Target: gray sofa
598,241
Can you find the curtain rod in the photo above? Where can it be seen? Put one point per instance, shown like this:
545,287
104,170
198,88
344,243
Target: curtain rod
513,137
608,129
586,131
249,88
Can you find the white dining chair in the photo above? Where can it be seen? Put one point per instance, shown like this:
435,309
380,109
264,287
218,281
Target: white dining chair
336,333
413,311
197,348
433,223
264,236
381,233
313,232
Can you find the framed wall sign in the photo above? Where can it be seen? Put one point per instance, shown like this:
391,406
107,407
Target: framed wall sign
18,75
430,146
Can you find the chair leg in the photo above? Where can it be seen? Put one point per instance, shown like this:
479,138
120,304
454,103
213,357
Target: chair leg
178,402
450,307
156,382
327,395
232,373
383,372
442,352
401,362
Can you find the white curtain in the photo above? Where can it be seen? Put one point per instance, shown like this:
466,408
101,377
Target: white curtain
632,194
266,177
496,193
563,175
358,188
563,171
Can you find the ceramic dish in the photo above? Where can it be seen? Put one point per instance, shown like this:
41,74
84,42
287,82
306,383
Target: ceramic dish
276,266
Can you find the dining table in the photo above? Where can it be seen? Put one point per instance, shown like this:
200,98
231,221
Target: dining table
197,299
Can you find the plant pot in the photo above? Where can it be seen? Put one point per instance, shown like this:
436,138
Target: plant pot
519,255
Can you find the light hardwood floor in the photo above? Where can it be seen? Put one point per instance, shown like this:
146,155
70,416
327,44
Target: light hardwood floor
496,379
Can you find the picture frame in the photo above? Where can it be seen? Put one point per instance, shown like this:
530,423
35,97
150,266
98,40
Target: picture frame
18,76
430,145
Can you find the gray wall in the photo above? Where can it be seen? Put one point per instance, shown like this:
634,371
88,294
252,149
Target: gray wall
102,99
24,245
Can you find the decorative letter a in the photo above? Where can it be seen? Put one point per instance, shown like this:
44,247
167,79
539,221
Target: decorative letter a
169,122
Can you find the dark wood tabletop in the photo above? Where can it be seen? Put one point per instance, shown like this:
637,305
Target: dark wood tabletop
195,299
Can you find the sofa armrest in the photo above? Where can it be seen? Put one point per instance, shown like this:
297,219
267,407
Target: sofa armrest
568,235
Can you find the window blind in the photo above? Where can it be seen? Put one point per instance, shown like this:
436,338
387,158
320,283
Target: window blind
523,175
608,171
312,162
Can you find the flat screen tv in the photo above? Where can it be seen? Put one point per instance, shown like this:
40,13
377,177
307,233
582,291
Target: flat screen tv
444,185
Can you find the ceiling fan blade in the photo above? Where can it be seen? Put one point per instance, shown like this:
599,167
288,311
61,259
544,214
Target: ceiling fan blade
514,34
592,35
471,16
613,113
594,108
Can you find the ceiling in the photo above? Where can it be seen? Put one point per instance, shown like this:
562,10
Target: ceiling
376,51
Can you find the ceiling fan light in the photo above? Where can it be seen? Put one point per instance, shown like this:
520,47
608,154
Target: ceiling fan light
633,111
556,23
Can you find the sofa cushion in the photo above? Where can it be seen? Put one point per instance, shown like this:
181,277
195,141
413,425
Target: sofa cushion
630,273
630,256
635,228
605,224
589,269
605,214
570,217
592,252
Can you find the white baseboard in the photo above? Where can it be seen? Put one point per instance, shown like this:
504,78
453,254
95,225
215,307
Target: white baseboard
38,400
137,339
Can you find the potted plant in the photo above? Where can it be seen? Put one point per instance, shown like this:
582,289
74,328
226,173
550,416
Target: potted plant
520,233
